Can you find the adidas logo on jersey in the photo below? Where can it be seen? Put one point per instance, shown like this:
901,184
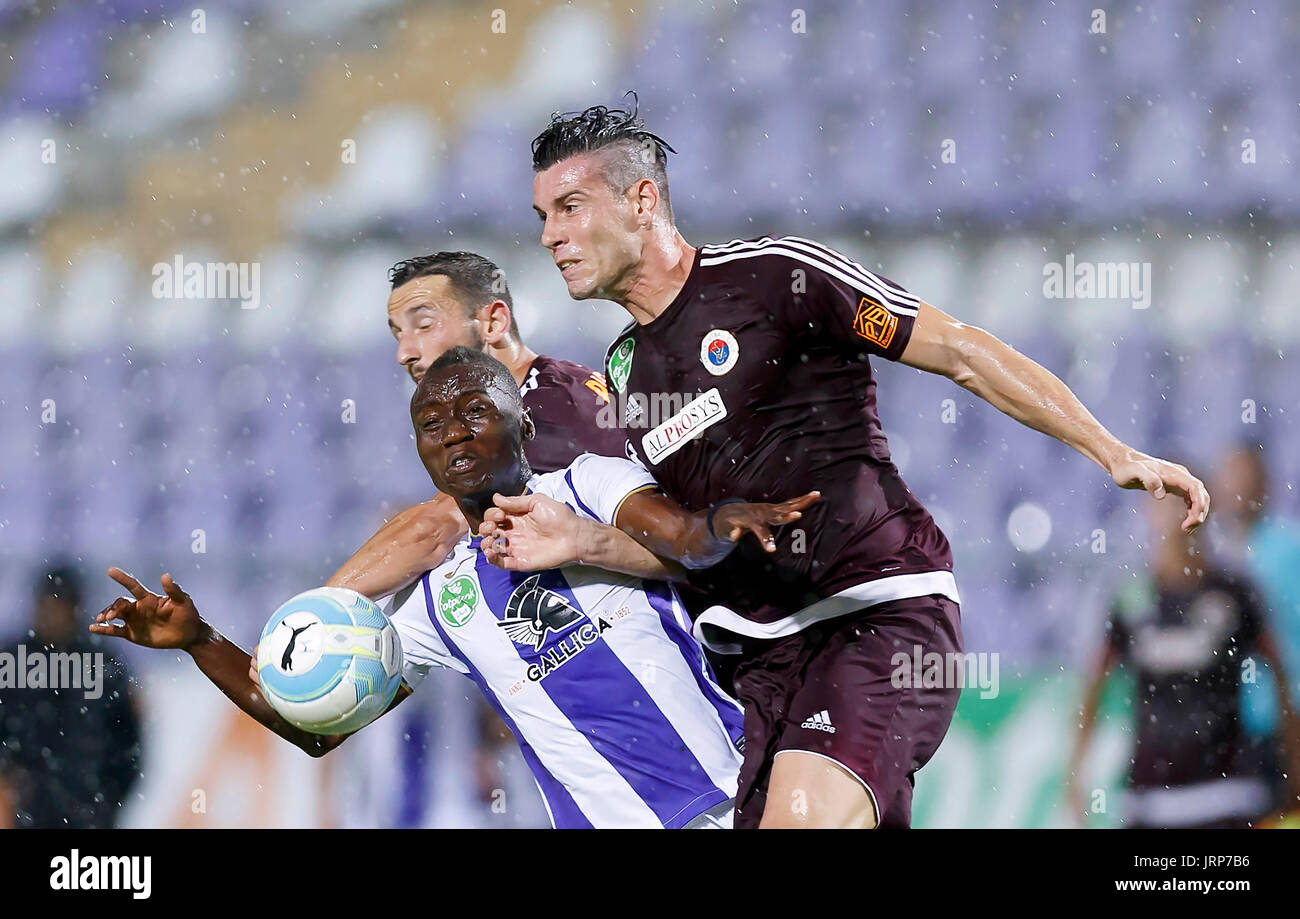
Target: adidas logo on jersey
820,722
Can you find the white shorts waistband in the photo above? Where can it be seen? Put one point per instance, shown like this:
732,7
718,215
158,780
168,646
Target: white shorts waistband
870,593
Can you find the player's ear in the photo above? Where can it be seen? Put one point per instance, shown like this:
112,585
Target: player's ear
496,319
528,429
646,199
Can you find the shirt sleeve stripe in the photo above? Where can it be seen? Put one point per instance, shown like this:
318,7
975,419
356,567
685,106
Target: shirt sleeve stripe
875,290
903,295
636,491
887,290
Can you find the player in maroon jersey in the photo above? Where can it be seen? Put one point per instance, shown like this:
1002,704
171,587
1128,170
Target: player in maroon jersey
747,367
1185,630
438,302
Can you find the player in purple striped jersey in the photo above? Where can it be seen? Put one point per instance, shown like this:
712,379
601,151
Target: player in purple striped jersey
438,302
451,299
612,702
769,341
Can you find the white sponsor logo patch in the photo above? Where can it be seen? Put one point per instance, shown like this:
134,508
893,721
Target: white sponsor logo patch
696,416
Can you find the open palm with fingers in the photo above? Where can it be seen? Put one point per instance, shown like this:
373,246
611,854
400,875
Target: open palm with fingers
166,620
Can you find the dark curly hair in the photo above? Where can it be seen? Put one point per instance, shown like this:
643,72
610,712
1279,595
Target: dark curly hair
634,152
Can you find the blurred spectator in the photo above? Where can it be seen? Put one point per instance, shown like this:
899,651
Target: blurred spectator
1247,537
69,754
1185,631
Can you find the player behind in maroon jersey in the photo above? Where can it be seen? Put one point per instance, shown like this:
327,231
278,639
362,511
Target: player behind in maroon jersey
451,299
758,354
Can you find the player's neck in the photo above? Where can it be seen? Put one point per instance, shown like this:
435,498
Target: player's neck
658,279
511,484
516,355
1180,570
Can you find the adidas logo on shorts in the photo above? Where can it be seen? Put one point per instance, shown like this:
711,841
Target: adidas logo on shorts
820,722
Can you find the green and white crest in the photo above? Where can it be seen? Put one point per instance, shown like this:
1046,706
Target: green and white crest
620,364
457,601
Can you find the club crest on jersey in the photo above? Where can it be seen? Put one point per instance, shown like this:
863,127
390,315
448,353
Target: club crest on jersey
535,612
457,601
620,364
719,351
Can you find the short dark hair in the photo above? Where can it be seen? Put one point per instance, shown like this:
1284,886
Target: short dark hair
460,356
599,128
477,280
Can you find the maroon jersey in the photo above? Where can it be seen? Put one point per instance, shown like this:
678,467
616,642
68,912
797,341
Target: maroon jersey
569,405
756,383
1186,649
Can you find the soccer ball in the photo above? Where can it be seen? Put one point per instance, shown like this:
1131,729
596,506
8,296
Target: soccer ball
329,661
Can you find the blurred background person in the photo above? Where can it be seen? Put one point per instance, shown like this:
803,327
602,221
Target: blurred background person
68,758
1249,535
1186,630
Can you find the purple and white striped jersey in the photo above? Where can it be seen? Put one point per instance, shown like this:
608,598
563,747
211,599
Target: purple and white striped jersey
596,673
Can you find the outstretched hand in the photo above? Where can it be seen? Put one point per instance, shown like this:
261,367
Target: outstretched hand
530,533
732,521
167,620
1159,477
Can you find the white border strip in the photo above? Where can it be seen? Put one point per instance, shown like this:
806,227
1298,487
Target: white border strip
870,593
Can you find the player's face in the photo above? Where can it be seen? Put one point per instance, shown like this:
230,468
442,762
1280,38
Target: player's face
468,430
1241,482
590,230
426,319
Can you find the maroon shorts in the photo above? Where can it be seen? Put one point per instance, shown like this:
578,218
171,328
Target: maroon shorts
830,690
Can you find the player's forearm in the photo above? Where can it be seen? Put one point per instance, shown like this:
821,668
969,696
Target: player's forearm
1289,725
1031,394
8,804
227,666
405,547
1088,715
609,548
671,532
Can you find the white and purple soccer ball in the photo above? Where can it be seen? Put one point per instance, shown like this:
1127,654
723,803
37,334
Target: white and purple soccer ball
329,661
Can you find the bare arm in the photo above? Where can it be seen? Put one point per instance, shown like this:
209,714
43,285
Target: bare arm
414,541
1029,393
612,549
1087,720
540,533
170,620
1288,724
8,805
531,532
666,528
